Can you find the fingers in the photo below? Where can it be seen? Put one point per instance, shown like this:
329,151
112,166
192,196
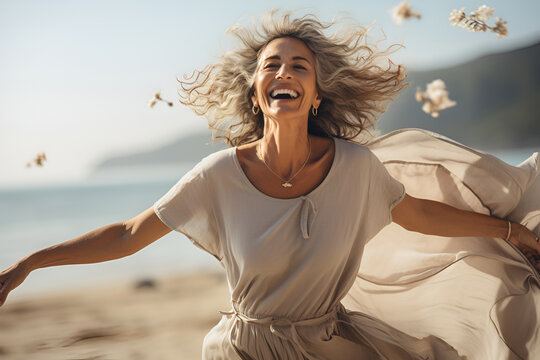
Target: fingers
532,255
536,245
3,291
526,237
533,258
5,288
536,264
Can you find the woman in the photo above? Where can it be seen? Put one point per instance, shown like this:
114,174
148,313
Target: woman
290,208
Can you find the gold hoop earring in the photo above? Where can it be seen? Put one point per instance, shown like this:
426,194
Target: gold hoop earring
255,110
314,111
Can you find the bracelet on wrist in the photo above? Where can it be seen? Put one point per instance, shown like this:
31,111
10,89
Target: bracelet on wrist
509,230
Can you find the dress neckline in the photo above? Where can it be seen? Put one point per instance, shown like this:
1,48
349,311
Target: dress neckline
252,187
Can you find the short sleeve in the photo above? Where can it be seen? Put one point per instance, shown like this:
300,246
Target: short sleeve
384,193
188,208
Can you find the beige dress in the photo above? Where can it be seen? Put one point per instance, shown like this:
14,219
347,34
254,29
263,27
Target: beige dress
314,277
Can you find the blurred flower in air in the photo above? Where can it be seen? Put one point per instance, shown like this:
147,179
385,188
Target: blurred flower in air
38,160
156,98
435,98
403,11
476,21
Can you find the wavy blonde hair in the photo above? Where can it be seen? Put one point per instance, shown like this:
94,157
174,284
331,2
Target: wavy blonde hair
354,86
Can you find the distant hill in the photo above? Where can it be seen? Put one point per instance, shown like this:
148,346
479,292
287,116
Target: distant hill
186,149
497,108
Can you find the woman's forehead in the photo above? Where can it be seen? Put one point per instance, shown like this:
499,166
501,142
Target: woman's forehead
286,47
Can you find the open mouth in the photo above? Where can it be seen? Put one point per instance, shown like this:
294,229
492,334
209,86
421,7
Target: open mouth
287,94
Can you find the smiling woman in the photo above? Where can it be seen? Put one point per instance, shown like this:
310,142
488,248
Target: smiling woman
354,79
297,205
286,100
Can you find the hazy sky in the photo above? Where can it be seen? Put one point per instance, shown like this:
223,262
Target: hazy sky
76,76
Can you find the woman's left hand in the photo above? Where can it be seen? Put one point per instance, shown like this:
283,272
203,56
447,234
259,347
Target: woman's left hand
527,242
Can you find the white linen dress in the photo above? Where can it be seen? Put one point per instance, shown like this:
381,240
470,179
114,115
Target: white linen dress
314,277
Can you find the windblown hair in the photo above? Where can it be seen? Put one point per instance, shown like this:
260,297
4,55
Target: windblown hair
355,88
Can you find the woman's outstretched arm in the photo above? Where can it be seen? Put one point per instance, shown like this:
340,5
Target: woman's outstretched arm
435,218
106,243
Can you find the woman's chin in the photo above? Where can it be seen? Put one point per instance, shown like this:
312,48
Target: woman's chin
283,111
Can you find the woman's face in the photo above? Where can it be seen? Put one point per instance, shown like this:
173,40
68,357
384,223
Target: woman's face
285,84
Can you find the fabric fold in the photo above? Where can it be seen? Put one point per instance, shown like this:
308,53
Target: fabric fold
307,216
478,294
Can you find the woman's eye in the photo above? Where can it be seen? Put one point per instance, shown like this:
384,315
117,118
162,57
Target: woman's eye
275,66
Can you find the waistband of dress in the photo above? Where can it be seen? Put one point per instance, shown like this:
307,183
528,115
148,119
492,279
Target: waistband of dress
285,321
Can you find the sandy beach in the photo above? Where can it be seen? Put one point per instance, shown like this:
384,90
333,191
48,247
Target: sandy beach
158,319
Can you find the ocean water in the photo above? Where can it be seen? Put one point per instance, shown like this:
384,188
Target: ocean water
34,218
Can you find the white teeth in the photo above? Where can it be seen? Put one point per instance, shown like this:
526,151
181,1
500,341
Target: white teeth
276,92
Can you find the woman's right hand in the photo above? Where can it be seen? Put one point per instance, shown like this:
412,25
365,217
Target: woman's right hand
527,242
11,278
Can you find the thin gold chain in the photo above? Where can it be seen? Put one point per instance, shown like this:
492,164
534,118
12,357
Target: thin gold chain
286,183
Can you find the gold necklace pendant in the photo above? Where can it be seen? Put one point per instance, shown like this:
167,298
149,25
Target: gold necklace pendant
286,183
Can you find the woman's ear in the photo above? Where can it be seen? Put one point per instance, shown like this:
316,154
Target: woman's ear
254,99
317,101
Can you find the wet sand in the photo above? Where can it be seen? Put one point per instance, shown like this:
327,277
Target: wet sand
159,319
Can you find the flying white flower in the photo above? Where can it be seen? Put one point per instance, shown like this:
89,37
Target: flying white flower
38,160
476,21
483,13
435,98
456,16
499,28
403,11
156,98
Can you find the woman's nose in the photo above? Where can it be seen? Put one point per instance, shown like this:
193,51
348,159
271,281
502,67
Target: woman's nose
283,72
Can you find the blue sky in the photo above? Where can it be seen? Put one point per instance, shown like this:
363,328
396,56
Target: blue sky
76,76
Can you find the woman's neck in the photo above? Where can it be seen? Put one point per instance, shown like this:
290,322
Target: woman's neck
284,146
